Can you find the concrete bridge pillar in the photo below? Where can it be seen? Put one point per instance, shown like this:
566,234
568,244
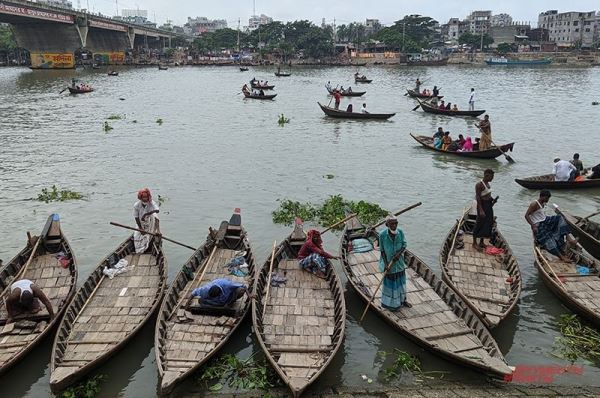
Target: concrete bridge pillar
51,45
131,36
81,24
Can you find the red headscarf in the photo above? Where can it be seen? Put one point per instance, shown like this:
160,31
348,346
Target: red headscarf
144,194
313,233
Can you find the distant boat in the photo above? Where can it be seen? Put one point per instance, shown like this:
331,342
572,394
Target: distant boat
506,61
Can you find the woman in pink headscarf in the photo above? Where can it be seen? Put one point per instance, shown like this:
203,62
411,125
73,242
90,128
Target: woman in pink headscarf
468,145
145,212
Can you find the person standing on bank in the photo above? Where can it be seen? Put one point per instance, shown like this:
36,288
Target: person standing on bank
145,212
485,210
472,100
392,245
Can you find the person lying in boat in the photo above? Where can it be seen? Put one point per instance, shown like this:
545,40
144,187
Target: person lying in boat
24,298
484,222
446,141
349,108
220,293
392,245
312,257
548,232
364,109
145,212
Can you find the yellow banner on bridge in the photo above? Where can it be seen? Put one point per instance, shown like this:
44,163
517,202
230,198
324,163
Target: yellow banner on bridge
52,60
110,58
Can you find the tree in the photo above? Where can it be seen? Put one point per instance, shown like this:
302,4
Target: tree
410,34
7,39
504,48
474,41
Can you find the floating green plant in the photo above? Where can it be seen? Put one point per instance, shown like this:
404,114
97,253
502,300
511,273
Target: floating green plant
55,195
577,340
115,117
159,122
86,389
242,374
107,127
283,120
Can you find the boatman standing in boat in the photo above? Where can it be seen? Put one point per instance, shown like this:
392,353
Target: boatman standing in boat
25,297
145,212
485,210
548,232
472,100
486,133
338,98
418,85
391,261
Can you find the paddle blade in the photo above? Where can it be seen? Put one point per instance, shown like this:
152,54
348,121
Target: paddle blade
416,107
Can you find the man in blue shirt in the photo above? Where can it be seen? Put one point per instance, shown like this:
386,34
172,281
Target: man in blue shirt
220,293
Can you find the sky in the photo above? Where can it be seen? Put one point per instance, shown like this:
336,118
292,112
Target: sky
344,11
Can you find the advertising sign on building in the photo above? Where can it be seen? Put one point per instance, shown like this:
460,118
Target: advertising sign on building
110,58
35,13
52,60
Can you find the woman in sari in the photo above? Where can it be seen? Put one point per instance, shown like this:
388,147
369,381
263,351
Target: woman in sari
312,257
486,133
392,245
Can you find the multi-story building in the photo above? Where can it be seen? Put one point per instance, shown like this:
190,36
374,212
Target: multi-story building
479,21
198,26
569,29
138,17
255,21
512,33
597,31
501,20
452,30
372,26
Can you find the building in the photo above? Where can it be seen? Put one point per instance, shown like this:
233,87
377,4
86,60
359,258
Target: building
597,31
137,20
451,31
512,33
125,13
198,26
372,26
501,20
479,22
569,29
255,21
58,3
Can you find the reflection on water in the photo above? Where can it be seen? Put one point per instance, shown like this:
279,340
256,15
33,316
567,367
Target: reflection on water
216,151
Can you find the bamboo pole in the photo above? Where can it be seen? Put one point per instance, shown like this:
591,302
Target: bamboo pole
338,223
269,278
387,269
153,234
398,213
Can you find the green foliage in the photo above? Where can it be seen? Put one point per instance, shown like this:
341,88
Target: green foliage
504,48
222,39
577,340
474,41
107,127
159,121
54,195
329,176
86,389
329,212
410,34
162,200
404,362
115,117
7,39
283,120
240,374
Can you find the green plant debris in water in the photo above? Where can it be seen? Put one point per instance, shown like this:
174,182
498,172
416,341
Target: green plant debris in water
329,212
86,389
107,127
329,176
162,200
595,103
403,362
115,117
241,374
577,340
134,121
159,122
283,120
54,195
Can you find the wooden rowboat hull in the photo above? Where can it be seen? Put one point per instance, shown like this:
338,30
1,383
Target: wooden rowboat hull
352,94
259,87
76,91
487,154
297,361
587,231
547,182
354,115
414,94
430,109
260,97
480,304
464,323
234,238
363,80
51,285
65,368
283,74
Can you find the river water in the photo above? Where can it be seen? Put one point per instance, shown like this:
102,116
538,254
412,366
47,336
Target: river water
216,151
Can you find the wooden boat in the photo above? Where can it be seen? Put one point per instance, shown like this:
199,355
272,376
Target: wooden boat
160,67
587,231
547,182
414,94
302,325
56,276
439,319
431,109
577,291
106,313
243,69
513,62
360,80
354,115
74,90
282,74
260,97
185,339
347,93
491,153
490,285
254,84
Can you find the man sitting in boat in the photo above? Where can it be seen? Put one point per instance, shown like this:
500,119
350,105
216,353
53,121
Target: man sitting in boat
548,232
24,298
446,141
442,105
563,170
484,222
595,172
391,261
454,108
145,212
577,163
364,109
486,133
438,138
220,293
349,108
312,257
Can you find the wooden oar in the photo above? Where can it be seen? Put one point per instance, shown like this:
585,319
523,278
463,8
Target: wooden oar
331,94
338,223
418,106
508,158
63,90
269,278
29,260
153,234
387,269
397,214
540,255
591,215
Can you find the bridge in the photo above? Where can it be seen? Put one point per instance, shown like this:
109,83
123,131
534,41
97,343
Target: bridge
54,35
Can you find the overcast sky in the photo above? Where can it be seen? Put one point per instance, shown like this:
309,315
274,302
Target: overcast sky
344,11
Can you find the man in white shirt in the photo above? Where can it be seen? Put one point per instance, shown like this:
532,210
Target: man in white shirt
563,170
472,100
364,108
